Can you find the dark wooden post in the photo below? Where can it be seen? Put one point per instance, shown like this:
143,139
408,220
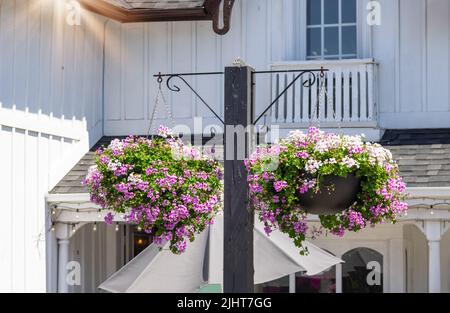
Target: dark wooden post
238,218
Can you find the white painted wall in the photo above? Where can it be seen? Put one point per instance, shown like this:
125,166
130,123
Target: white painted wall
411,45
50,113
417,259
261,33
99,253
445,262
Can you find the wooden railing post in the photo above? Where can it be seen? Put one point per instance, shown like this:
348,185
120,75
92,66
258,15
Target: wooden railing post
238,217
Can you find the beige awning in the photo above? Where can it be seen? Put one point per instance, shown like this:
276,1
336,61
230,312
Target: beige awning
156,270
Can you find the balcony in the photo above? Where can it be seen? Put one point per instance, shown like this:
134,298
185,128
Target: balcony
348,105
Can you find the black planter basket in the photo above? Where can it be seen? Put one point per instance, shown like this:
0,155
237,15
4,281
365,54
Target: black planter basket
335,195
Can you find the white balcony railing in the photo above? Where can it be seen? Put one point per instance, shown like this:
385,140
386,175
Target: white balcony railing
349,100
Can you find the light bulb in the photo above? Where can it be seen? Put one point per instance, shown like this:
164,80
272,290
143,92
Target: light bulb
117,226
53,227
95,227
74,228
99,214
78,215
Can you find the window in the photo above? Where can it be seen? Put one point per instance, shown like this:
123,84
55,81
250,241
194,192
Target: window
331,29
362,271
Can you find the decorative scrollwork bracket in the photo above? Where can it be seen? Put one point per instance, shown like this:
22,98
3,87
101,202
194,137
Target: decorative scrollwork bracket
213,9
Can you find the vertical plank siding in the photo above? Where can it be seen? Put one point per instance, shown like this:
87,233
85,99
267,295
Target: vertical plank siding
408,89
50,107
412,47
258,35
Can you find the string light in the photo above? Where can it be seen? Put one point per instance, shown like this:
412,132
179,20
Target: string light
95,227
78,214
432,210
99,213
54,210
53,227
117,226
74,228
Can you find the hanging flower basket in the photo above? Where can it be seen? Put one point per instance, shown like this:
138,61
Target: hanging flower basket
165,187
348,183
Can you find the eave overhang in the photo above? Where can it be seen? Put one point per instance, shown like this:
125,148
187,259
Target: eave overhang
209,11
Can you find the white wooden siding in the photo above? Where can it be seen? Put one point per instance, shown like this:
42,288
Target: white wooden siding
261,33
100,254
50,108
412,46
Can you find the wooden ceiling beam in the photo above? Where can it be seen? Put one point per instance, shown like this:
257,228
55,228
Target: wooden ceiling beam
209,12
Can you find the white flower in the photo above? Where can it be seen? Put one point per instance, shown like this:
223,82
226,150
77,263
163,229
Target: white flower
350,162
312,166
114,165
331,161
134,178
321,147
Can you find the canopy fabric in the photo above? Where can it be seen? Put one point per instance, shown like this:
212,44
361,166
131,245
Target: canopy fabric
161,271
275,256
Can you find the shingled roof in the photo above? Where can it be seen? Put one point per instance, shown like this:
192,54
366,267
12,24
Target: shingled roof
71,183
423,157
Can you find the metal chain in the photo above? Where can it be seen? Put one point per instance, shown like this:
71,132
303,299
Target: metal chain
160,94
323,93
315,114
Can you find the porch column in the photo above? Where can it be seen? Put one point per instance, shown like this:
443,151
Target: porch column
63,234
434,266
339,278
292,283
63,259
433,233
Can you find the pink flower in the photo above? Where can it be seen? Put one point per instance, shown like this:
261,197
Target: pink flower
355,220
340,231
109,218
256,188
302,155
280,185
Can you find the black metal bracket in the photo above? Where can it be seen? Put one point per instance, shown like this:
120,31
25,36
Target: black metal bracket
175,88
307,83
